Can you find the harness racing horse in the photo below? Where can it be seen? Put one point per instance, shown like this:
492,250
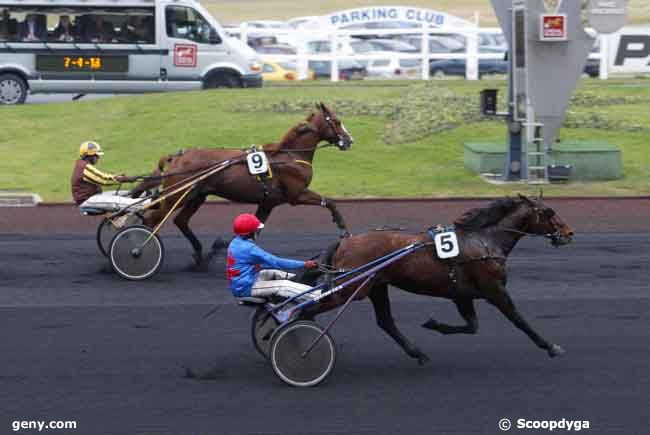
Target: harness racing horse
291,165
485,237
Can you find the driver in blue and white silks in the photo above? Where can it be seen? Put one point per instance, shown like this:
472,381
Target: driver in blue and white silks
252,271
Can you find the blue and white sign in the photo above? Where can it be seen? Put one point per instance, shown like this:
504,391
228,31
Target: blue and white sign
379,14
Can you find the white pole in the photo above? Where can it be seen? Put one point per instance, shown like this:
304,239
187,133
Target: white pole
425,52
302,61
471,63
334,45
604,56
243,34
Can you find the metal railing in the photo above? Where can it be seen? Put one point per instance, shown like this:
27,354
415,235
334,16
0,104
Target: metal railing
339,38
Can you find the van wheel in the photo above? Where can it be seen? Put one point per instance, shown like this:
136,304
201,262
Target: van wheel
223,80
13,89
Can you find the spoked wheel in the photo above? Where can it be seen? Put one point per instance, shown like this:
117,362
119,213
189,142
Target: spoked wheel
109,227
263,325
288,347
136,253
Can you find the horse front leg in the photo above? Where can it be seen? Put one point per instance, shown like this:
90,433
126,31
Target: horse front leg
307,197
504,303
381,304
466,310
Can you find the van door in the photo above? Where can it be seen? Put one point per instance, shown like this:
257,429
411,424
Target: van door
191,51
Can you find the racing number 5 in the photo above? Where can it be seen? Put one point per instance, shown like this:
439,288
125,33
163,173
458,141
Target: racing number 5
447,245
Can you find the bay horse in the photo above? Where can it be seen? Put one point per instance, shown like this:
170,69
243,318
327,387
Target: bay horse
486,236
292,171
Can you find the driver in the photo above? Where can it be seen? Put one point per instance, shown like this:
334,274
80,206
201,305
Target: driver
253,272
87,179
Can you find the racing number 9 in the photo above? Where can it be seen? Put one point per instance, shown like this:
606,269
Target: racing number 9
257,163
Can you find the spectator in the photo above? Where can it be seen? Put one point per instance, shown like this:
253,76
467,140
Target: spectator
8,26
98,30
137,31
33,28
65,31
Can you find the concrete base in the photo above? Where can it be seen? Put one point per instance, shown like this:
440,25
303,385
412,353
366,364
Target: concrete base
591,161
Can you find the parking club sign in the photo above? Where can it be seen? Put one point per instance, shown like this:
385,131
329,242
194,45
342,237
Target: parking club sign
553,27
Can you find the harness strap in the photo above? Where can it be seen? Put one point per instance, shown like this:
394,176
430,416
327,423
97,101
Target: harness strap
304,162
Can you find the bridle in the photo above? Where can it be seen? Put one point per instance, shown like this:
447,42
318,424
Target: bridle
556,238
339,139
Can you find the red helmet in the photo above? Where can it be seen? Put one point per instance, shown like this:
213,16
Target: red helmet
245,224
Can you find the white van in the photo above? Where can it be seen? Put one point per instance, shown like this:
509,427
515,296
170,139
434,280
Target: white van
117,46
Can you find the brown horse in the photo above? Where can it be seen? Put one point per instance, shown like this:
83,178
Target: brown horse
291,165
485,238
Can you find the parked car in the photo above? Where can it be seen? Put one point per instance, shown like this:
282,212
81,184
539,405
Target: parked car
592,68
282,31
280,71
392,67
381,26
435,45
391,45
284,49
348,69
457,67
346,46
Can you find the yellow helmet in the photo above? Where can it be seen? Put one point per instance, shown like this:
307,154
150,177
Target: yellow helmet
90,149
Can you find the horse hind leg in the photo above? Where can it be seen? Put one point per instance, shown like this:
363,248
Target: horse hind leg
182,222
381,304
466,310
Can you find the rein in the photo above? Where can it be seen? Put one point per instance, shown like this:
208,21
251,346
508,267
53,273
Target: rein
524,233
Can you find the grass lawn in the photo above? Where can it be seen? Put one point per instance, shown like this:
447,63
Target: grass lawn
235,11
409,135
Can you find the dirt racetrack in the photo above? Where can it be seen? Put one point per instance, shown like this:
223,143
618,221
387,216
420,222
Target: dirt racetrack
78,343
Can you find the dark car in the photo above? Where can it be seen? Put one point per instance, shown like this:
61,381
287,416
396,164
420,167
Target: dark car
456,67
348,69
592,68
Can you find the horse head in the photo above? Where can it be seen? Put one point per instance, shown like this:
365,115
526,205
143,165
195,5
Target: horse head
543,220
329,128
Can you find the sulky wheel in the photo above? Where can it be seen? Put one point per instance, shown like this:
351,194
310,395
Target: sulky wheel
290,342
262,326
109,227
136,253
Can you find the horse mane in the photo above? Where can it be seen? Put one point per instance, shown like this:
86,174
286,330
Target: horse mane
292,135
478,218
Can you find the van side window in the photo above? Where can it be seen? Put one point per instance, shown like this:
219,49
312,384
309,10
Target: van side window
186,23
66,24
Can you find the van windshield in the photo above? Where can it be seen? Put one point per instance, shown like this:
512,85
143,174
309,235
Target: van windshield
185,23
113,25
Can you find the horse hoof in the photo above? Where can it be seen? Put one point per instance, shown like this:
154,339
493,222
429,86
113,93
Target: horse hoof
198,259
431,324
556,350
423,359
